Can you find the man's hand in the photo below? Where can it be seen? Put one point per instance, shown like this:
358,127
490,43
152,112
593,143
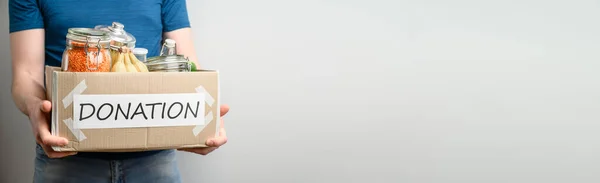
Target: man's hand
38,116
213,143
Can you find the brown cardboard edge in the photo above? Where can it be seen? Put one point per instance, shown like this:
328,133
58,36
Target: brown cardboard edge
54,120
218,121
141,149
71,149
52,95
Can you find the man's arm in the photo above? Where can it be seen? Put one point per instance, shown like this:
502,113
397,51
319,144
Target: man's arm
176,26
27,51
184,43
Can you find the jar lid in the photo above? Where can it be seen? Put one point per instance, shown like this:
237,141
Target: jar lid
87,35
118,35
168,62
140,51
170,42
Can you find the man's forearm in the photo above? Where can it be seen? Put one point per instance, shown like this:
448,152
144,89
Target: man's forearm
26,90
185,43
27,51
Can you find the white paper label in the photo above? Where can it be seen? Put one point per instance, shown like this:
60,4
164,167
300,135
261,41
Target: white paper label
138,110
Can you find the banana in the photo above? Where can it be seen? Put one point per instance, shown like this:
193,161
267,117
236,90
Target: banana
130,67
119,65
141,67
114,54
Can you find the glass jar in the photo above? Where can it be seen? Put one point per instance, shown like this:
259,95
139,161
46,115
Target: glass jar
87,50
169,63
118,38
168,48
140,54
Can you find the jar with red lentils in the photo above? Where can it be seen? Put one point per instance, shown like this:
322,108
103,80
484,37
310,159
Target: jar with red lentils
87,50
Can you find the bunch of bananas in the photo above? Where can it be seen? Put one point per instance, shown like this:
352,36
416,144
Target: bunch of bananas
127,62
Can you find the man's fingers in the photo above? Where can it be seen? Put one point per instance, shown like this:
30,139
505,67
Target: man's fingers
219,141
222,132
224,109
44,137
222,123
207,150
46,106
50,140
53,154
201,151
43,129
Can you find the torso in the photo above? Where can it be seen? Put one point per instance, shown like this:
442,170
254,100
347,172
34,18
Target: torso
142,18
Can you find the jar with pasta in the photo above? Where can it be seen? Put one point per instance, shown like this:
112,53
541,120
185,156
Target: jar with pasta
87,50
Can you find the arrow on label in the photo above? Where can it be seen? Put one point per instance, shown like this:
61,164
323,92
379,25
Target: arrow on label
76,91
208,98
209,117
76,132
67,101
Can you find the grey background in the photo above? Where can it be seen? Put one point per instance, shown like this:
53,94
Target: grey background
428,91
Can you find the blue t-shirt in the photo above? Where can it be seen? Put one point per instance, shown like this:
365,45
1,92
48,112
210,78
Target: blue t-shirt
147,20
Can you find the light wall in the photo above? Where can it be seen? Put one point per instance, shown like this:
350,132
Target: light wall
428,91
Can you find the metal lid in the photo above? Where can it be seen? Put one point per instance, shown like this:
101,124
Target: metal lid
176,63
87,35
118,35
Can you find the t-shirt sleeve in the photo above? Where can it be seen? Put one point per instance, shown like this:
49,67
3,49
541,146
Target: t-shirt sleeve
174,15
24,15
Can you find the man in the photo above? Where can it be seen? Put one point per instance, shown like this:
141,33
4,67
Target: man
38,31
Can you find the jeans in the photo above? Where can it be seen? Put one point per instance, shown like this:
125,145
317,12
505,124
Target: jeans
160,168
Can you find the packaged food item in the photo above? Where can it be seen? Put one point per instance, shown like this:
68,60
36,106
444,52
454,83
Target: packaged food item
118,38
139,65
127,62
87,50
169,63
119,65
140,54
168,48
193,66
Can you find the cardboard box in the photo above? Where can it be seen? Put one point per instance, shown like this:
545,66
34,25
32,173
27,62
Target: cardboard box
126,112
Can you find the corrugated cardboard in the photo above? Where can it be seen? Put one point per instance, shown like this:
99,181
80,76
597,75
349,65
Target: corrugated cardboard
59,84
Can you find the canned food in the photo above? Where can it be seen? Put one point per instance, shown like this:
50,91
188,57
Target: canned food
169,63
